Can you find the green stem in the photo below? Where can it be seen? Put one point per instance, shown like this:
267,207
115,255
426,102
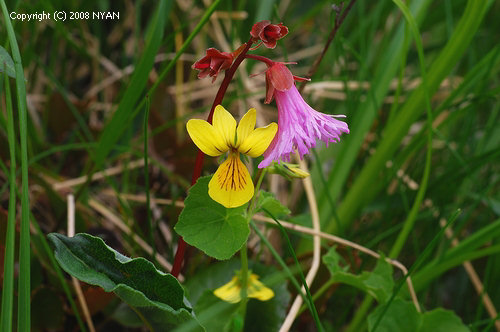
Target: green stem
24,310
279,259
8,281
318,293
181,246
244,282
308,298
244,251
412,216
251,206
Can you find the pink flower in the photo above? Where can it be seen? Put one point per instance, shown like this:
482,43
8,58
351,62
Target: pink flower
268,33
213,62
299,125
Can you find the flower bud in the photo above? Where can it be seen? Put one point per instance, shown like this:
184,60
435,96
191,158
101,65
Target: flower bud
289,171
212,63
268,33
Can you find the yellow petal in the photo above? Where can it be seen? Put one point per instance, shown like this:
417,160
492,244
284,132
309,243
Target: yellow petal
225,124
231,185
206,138
257,290
229,292
258,141
246,125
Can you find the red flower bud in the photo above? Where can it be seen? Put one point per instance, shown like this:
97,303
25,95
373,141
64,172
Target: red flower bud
213,62
279,77
268,33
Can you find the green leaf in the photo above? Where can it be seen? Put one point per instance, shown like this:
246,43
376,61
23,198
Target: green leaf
441,320
124,315
378,283
267,201
402,316
154,295
6,63
205,224
216,315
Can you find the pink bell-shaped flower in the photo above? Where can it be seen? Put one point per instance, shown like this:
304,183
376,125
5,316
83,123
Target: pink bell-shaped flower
299,125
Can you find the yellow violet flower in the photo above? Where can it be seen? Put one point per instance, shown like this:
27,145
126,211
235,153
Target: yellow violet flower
231,292
231,185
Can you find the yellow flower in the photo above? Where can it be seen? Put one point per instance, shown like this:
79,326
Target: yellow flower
231,292
231,185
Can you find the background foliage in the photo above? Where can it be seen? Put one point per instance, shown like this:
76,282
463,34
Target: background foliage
87,87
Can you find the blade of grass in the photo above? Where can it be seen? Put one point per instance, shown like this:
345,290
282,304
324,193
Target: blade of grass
310,302
367,184
115,128
432,271
465,250
462,36
118,123
24,310
189,39
415,265
40,237
8,270
412,216
365,115
146,180
278,258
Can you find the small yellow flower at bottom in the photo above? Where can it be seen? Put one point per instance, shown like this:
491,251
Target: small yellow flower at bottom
231,184
231,292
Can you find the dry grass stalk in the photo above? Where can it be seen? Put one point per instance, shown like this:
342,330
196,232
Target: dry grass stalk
474,278
76,283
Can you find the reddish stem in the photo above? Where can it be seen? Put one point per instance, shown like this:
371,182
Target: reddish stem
198,166
336,27
267,61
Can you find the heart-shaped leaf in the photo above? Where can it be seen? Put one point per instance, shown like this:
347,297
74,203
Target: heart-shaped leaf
402,316
205,224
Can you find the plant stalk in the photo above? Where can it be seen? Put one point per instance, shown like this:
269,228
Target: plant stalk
198,166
